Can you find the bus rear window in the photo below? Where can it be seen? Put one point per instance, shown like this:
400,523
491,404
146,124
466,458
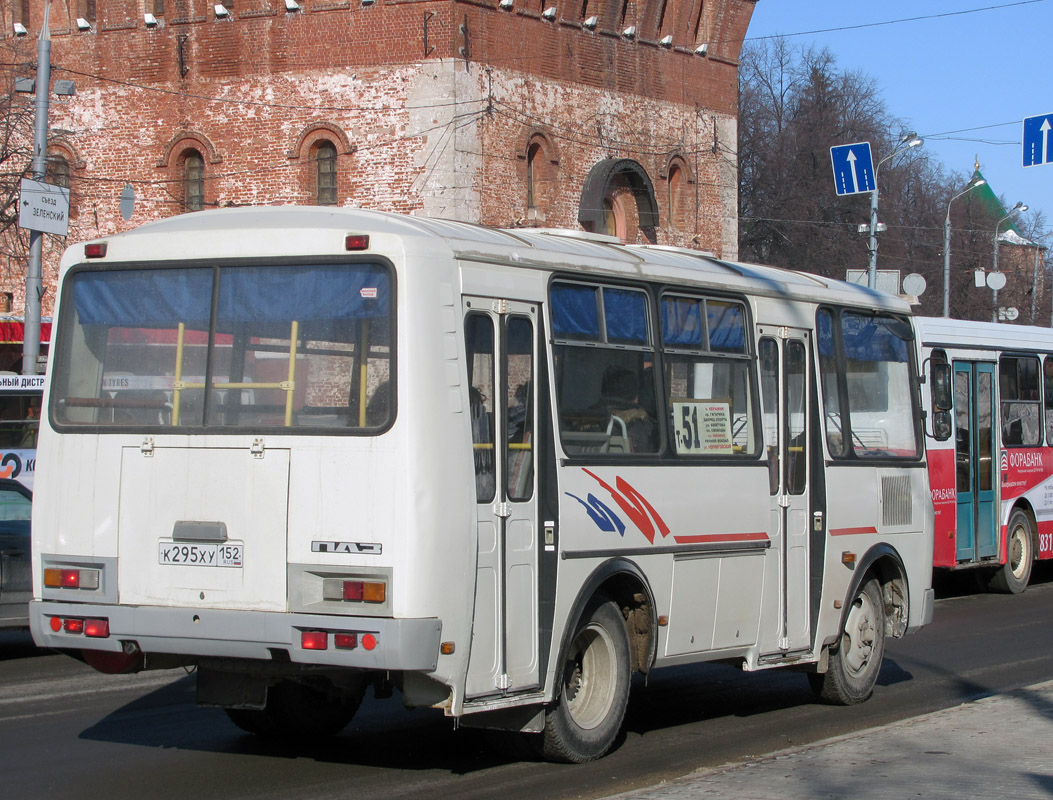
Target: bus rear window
231,347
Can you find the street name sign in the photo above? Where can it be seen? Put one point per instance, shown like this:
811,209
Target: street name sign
43,207
1038,141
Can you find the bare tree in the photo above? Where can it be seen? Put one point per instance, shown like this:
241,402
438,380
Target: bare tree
794,105
16,152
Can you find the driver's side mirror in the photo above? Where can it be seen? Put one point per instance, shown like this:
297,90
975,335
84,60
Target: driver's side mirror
940,375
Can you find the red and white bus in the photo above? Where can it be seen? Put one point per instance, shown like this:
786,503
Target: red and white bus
990,446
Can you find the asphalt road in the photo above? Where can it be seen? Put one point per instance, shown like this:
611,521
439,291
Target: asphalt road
66,731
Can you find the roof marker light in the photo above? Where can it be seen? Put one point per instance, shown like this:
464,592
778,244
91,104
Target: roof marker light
356,241
95,250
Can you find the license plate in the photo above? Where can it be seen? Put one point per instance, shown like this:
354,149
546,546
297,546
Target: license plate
200,555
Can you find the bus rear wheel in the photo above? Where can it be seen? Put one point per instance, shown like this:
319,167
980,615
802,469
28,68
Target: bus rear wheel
856,660
297,711
582,723
1014,576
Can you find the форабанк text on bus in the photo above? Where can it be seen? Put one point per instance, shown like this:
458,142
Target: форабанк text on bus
313,451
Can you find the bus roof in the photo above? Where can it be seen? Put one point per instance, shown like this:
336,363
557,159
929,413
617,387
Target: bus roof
267,231
945,332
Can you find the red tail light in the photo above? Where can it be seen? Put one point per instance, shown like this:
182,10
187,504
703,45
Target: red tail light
345,641
314,640
73,626
97,628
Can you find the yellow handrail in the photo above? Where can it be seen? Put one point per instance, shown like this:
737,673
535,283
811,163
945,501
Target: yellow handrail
288,386
291,383
178,380
363,371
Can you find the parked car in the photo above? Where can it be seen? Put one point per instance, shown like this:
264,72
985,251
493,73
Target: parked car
16,582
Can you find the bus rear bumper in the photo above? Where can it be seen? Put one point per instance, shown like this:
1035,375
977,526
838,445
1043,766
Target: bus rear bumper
373,643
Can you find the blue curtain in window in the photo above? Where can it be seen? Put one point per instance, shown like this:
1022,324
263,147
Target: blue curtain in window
870,339
727,327
825,334
156,298
315,296
681,323
574,314
625,313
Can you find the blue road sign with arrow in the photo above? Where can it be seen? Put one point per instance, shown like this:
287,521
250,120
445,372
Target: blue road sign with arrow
853,168
1038,143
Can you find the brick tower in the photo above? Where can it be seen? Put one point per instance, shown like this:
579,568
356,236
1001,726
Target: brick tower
615,116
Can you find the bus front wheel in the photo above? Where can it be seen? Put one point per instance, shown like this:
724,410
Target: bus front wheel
1015,574
582,723
855,660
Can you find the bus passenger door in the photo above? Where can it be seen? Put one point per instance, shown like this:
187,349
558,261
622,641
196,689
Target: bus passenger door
500,343
786,381
974,406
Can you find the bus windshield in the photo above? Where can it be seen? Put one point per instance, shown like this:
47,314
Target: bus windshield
866,366
284,347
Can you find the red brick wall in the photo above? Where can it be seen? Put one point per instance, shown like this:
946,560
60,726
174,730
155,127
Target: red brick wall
417,129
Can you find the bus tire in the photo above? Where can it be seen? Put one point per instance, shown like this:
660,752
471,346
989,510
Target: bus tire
296,711
855,660
1014,576
583,722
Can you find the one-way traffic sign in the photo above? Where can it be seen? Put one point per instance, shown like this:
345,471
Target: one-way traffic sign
1038,143
853,168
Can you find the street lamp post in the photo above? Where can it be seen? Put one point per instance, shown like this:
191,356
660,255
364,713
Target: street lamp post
906,142
1013,210
947,244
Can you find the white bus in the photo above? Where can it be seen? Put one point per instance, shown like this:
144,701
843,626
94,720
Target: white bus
309,451
990,406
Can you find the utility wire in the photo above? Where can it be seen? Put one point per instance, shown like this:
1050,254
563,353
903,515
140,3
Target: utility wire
889,22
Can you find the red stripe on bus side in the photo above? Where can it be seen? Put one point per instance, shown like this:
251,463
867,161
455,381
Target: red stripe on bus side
850,531
722,537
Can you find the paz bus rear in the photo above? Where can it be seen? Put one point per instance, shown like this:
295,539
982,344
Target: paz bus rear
220,488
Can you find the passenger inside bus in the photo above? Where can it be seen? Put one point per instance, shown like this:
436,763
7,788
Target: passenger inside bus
621,395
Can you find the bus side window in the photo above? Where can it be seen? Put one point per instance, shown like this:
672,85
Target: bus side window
1018,383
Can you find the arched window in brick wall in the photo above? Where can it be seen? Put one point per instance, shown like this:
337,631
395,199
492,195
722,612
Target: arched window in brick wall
541,177
321,149
186,159
193,180
618,199
62,163
678,179
324,153
58,170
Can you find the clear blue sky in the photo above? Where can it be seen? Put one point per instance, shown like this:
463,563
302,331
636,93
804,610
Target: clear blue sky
965,82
